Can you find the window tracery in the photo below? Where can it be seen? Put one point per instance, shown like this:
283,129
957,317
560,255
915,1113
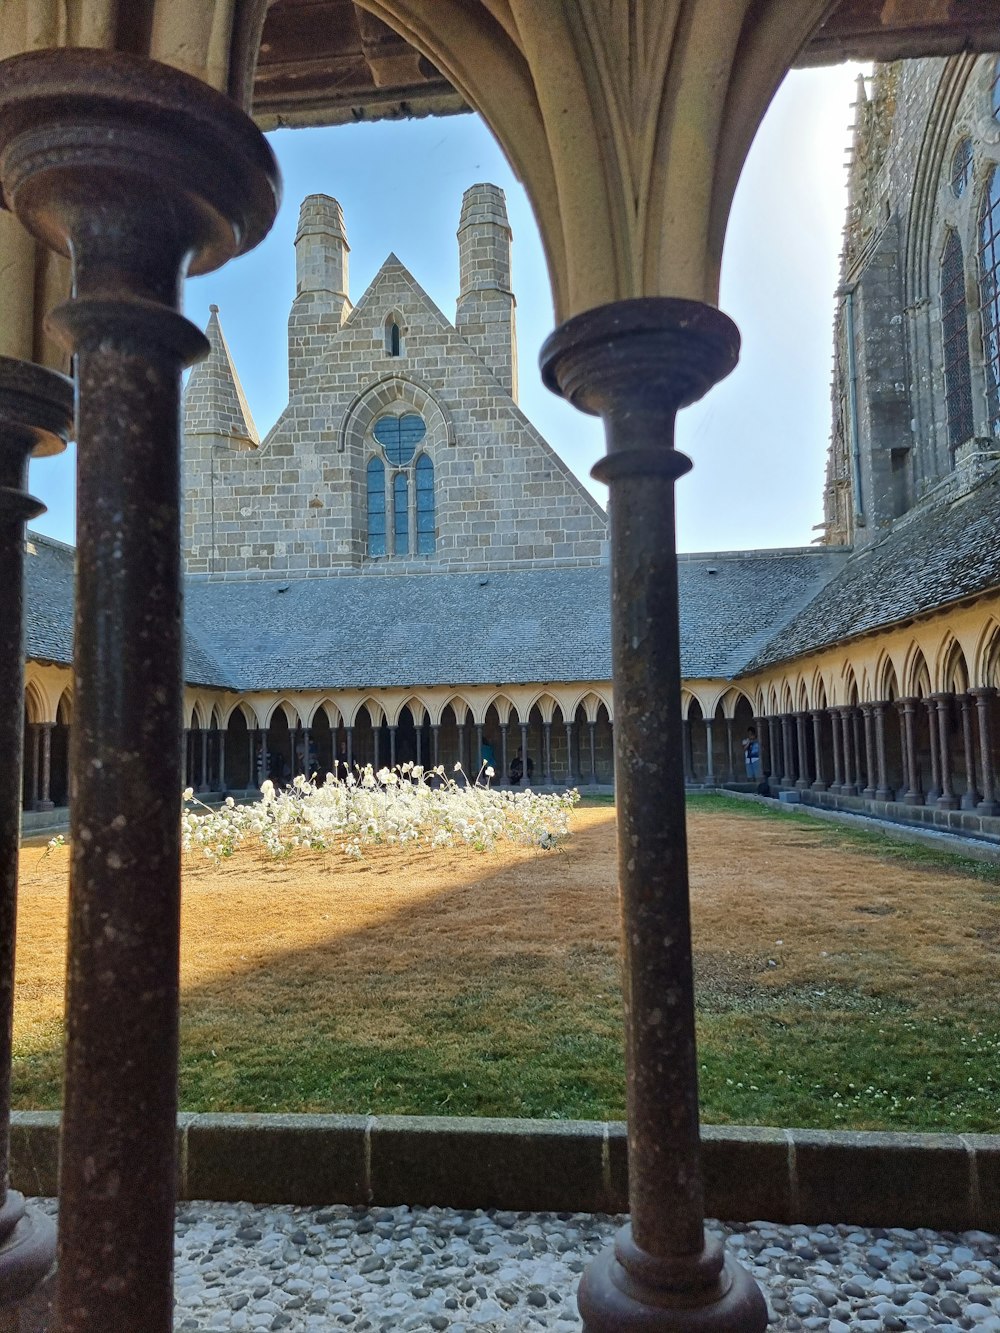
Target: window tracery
989,294
398,477
955,331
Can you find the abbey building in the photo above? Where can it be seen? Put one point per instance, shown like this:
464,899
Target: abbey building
402,568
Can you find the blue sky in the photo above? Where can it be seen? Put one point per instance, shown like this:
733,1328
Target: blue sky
758,440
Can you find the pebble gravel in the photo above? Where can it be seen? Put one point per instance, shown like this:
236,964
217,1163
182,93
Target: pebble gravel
414,1269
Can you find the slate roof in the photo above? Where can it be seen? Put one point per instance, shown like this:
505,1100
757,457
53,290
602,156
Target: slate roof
48,580
384,630
940,555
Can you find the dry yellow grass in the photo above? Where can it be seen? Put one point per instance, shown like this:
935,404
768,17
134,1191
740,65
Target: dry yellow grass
427,954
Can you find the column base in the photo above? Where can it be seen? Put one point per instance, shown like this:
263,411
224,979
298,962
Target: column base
820,786
970,801
625,1290
44,805
987,808
848,789
802,785
869,794
885,794
27,1250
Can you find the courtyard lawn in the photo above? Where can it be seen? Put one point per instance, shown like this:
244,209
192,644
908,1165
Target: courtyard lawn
843,981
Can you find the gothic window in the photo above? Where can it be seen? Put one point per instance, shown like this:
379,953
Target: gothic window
989,294
955,328
376,507
961,167
393,337
410,479
400,514
425,505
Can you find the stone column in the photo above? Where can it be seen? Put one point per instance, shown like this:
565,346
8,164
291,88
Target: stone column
479,749
731,751
547,745
709,753
221,737
787,761
45,778
849,786
836,786
908,712
592,726
349,735
436,742
859,777
35,746
141,174
392,746
947,800
869,722
306,740
36,413
376,731
570,777
203,787
688,751
504,765
883,791
524,752
418,734
252,741
774,749
983,698
460,729
803,783
819,784
970,797
635,363
930,706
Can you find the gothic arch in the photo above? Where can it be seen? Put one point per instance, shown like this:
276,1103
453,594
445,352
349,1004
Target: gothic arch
459,705
34,703
886,680
503,705
916,676
64,708
372,707
546,703
393,390
241,706
986,661
952,670
290,711
327,706
418,710
730,701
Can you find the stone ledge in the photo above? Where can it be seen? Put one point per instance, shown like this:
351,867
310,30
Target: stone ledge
945,1181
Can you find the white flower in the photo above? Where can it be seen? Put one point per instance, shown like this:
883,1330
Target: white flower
230,803
491,772
188,794
457,768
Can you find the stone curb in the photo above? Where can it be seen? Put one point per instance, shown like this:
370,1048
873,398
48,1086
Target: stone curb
949,1182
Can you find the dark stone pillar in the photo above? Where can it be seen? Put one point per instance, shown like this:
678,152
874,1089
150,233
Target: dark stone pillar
730,751
349,735
709,752
35,747
592,726
436,742
635,363
204,760
859,777
883,791
479,750
141,174
930,706
774,750
504,765
570,777
688,751
306,741
947,800
803,782
837,785
252,742
45,775
970,797
220,736
819,783
524,752
984,698
418,736
869,723
787,758
36,413
547,751
908,712
376,738
848,787
392,746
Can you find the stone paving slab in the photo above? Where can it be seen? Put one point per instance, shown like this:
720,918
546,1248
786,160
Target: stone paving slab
371,1270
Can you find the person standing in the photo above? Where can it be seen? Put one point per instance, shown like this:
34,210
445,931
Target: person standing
751,754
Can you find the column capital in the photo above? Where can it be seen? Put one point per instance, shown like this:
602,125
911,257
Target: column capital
983,692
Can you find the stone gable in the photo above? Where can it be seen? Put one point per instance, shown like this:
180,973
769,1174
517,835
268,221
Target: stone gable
298,505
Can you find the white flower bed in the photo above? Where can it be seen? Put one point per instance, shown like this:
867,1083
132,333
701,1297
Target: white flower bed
408,804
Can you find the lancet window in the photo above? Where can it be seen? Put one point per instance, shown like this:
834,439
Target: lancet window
989,294
955,328
400,489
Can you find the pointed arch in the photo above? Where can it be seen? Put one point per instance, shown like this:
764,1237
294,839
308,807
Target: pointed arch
987,655
64,708
916,676
246,708
952,670
34,704
886,680
328,708
545,703
503,705
818,690
787,705
399,391
395,331
418,711
801,697
731,699
289,710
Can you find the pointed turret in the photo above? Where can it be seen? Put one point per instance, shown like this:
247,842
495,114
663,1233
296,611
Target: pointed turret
485,312
322,302
214,402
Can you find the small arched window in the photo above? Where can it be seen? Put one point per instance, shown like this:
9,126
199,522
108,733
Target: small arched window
376,507
425,505
989,294
955,330
393,337
400,514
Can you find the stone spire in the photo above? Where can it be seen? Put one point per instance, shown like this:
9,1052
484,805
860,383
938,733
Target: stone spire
485,312
322,301
214,402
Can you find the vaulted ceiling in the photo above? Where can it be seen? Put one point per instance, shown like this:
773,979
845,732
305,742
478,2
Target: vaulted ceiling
325,62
